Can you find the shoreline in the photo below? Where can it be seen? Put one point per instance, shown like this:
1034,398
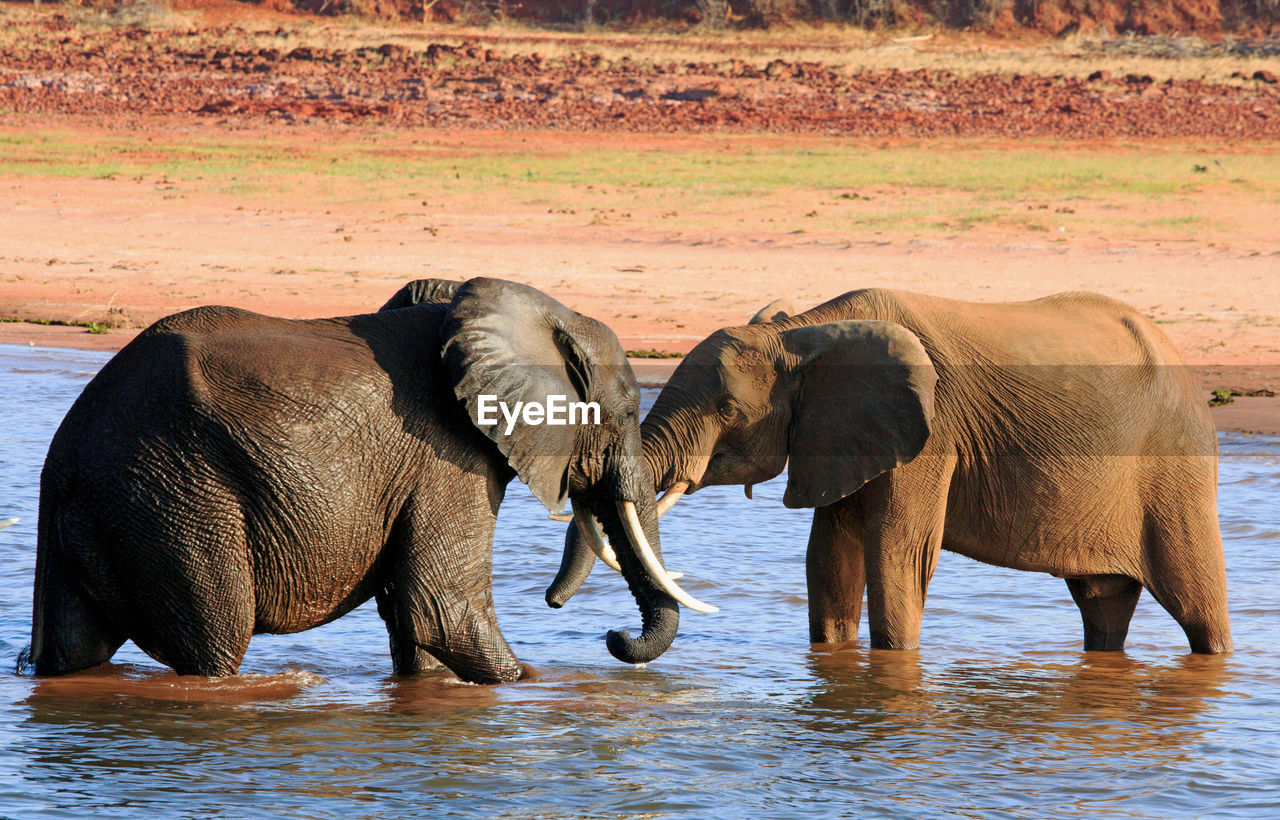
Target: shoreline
1247,415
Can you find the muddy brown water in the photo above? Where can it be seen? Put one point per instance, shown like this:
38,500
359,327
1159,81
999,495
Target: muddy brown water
998,714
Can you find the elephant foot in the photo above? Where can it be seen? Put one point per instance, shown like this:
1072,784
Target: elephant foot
1106,605
881,640
833,630
1098,641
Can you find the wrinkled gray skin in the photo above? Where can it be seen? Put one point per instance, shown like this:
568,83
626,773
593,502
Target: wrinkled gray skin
1063,435
229,474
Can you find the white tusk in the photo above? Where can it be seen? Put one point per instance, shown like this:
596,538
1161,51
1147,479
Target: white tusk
566,517
671,496
7,522
587,523
563,518
650,561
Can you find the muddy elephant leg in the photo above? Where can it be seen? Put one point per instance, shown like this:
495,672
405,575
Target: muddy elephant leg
1106,605
440,598
407,657
834,566
905,510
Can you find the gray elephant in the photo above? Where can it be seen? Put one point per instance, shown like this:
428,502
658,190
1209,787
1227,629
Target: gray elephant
1063,435
228,474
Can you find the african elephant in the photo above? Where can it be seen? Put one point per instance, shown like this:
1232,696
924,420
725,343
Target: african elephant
1062,435
229,473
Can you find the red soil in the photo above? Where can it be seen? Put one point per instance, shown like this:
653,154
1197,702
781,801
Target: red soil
122,74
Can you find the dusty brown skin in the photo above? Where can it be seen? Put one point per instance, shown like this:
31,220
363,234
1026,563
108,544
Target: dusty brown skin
1062,435
229,474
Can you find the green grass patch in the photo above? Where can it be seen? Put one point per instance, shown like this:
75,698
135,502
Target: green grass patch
1177,222
724,168
771,186
89,326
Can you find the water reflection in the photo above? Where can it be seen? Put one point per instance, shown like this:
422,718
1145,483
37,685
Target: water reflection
115,681
1061,723
1021,700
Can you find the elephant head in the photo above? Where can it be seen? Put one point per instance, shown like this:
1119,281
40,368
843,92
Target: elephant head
836,403
775,311
422,290
510,346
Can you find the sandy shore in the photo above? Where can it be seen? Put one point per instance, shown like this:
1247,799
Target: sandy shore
156,192
126,252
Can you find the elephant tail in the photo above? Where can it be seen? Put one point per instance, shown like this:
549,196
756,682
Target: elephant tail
50,557
68,630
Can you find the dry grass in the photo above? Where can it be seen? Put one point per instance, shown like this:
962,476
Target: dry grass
686,186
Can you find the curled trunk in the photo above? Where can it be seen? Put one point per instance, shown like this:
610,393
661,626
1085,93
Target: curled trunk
659,612
577,559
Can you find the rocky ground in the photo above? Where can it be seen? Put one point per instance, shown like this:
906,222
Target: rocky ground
121,73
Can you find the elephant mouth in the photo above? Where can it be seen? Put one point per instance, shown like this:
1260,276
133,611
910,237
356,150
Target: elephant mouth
666,501
639,544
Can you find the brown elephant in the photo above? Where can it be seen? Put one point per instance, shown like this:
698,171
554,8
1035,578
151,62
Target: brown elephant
1062,435
228,474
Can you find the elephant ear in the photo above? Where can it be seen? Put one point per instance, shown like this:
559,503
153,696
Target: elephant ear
775,311
515,344
422,290
863,405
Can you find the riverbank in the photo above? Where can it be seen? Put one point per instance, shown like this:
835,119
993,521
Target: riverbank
1252,415
126,233
666,187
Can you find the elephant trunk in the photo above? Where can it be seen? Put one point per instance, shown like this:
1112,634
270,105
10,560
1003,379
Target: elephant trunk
659,611
575,565
632,527
578,559
665,452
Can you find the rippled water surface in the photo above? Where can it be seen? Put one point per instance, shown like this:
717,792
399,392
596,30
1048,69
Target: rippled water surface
999,713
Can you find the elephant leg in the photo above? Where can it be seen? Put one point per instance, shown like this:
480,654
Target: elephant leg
834,567
1187,577
904,513
204,632
441,595
205,635
407,657
1106,605
196,609
70,633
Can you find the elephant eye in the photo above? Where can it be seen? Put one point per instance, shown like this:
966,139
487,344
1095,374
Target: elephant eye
728,412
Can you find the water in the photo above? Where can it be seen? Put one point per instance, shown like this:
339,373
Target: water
999,713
